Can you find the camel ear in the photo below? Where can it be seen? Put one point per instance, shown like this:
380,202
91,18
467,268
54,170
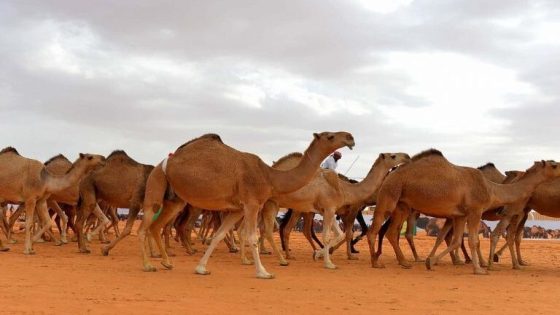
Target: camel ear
82,155
381,155
543,163
316,135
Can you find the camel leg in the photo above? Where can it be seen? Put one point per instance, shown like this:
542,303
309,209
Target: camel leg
308,230
328,218
397,217
519,237
251,212
132,214
510,239
63,218
269,213
441,236
374,229
112,212
228,223
287,229
495,237
410,224
458,228
348,225
103,221
29,216
45,219
163,220
363,232
4,226
473,223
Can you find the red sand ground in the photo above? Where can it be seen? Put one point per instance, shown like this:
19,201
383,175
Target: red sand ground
59,280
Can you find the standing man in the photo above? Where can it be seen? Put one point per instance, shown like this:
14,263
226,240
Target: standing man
331,162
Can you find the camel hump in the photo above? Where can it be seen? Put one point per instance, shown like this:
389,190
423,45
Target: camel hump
487,165
427,153
288,161
57,157
208,136
121,154
8,150
331,178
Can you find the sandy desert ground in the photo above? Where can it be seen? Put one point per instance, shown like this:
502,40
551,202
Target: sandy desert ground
59,280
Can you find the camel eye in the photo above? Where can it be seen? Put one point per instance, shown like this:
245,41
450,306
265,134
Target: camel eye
393,156
90,158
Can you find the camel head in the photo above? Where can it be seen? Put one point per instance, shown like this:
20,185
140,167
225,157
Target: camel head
392,161
549,168
90,161
330,141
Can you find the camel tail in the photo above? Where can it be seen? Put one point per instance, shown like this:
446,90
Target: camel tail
157,190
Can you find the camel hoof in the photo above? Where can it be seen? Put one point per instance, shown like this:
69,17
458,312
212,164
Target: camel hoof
524,263
12,241
246,262
84,251
29,252
378,265
104,251
429,263
58,243
496,258
201,270
517,267
317,254
468,261
480,271
64,241
265,275
330,266
167,266
234,250
191,252
352,257
4,249
39,241
459,262
405,265
155,255
149,268
284,263
483,264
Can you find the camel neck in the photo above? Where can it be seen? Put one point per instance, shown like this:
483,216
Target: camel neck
291,180
502,194
367,188
58,183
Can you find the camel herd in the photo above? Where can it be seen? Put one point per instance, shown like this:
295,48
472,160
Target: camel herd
205,175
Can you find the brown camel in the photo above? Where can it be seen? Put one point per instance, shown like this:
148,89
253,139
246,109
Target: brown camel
27,180
491,173
119,183
545,200
432,185
208,174
327,194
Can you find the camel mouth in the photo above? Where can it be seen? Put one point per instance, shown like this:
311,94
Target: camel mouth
351,146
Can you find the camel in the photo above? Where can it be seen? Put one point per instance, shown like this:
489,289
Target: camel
119,183
491,173
27,180
326,194
209,174
432,185
545,200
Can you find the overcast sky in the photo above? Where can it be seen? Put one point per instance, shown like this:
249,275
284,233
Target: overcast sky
476,79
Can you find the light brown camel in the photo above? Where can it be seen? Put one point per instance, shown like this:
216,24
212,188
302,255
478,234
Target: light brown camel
327,194
432,185
208,174
545,200
119,183
27,180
